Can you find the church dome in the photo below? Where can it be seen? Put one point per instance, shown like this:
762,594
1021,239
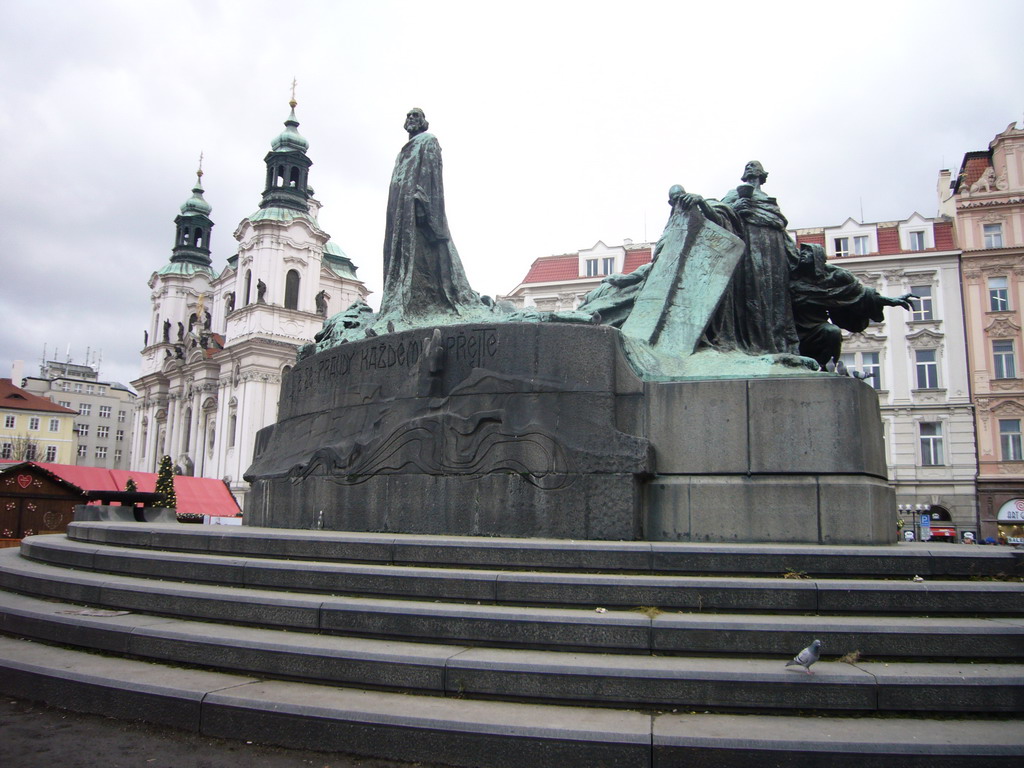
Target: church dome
196,204
290,140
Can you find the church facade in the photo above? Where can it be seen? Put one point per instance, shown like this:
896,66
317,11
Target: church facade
219,342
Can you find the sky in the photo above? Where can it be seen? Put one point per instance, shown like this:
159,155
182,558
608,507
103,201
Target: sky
562,123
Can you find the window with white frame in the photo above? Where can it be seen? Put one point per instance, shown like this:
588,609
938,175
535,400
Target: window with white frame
83,451
998,294
83,430
931,443
607,265
78,387
993,234
64,403
65,386
1009,440
842,245
30,452
51,453
7,451
867,363
120,435
101,451
1004,365
55,425
101,390
592,265
33,424
860,245
916,240
117,455
927,367
10,420
120,416
89,389
104,411
85,409
922,306
102,431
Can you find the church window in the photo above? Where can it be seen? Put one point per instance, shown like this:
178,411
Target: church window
199,238
291,290
248,284
294,181
231,430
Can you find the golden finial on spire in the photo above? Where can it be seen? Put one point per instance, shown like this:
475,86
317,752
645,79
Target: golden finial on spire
293,102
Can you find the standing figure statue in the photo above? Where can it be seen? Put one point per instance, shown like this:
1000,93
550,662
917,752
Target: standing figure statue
756,315
423,274
167,330
321,303
261,292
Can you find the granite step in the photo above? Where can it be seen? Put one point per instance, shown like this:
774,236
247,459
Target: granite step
485,734
684,558
610,680
620,590
560,628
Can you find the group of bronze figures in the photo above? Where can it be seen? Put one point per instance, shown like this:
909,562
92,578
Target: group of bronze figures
779,299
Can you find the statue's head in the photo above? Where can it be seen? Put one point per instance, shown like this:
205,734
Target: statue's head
754,171
674,193
416,121
812,260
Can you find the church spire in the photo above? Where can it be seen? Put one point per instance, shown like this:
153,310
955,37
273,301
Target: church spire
288,166
192,239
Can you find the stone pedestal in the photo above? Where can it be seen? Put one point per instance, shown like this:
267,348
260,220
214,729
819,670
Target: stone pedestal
544,430
117,513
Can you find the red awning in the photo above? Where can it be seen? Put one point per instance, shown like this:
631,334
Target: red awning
942,530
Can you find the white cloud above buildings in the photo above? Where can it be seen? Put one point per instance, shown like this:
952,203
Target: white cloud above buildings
562,123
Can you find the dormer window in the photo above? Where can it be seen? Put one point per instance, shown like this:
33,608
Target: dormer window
842,245
592,265
860,245
916,240
608,265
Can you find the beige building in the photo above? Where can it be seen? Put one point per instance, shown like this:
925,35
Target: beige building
33,428
989,199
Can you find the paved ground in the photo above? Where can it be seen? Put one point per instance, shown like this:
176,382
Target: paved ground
37,736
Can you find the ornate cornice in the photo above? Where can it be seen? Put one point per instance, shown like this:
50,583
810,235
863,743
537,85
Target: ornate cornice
1002,326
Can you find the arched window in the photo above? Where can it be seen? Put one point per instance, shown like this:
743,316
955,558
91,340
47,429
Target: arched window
294,181
291,290
198,238
248,286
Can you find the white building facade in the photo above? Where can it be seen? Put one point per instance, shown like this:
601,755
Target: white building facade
219,343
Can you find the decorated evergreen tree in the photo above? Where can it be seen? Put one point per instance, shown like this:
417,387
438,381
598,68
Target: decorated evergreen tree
131,486
165,483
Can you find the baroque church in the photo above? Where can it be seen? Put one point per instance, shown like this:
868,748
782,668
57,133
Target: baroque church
218,343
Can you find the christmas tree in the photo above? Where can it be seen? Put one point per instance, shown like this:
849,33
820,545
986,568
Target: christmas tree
165,483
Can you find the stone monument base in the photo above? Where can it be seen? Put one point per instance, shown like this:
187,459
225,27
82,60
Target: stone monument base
545,430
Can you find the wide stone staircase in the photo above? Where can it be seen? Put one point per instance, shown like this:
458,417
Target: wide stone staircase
508,652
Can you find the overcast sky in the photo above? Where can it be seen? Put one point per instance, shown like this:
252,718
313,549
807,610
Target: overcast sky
562,123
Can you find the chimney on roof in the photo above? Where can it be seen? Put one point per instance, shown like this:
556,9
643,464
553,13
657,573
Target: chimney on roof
17,372
943,188
627,242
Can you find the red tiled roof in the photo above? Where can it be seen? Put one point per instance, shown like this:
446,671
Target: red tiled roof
22,400
888,240
974,167
548,269
945,240
636,258
196,495
818,238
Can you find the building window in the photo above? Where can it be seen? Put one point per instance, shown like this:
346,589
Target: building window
607,265
120,435
30,452
916,241
842,247
85,409
922,307
51,453
1005,366
993,235
232,425
104,411
867,363
1009,439
33,424
102,431
7,451
117,456
931,444
120,416
248,286
592,268
9,421
291,289
64,403
998,294
860,245
101,390
65,386
101,452
88,389
78,387
927,369
83,451
55,425
83,430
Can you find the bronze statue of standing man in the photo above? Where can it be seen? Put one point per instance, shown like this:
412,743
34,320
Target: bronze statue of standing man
423,274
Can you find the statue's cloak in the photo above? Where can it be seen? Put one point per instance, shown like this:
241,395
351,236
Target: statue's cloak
422,270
